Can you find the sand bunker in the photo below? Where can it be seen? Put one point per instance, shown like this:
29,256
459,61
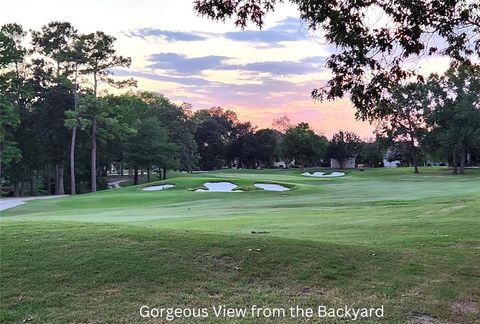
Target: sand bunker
323,175
218,187
160,187
315,174
271,187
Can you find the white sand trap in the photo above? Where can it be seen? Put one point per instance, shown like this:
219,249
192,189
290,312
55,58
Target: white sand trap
323,175
218,187
271,187
336,174
315,174
161,187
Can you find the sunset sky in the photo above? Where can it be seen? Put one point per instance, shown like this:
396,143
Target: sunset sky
258,74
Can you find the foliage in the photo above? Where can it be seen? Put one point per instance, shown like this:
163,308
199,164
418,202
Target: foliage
214,128
454,116
406,119
371,154
149,147
268,141
303,145
371,56
344,145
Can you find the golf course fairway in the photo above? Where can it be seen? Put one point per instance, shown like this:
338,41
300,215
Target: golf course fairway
378,237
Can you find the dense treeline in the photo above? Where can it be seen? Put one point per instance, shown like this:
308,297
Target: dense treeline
437,116
61,130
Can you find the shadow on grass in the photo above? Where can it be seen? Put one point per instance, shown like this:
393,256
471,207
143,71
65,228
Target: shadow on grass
64,272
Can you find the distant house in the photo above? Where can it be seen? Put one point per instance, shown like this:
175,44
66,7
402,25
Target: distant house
390,164
388,161
283,164
348,163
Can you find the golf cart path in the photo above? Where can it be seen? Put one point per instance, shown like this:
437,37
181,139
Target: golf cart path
115,184
7,203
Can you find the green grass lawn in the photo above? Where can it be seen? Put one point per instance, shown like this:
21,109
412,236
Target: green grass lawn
377,237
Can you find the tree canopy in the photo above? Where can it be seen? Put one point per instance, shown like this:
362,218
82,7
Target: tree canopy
303,145
374,40
344,145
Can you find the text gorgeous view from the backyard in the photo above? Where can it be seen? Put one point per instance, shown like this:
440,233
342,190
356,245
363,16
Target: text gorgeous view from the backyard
240,161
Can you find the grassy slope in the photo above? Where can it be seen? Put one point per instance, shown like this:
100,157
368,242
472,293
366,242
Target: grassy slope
370,238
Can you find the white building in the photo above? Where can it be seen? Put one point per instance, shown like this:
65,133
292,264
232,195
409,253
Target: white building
283,164
390,164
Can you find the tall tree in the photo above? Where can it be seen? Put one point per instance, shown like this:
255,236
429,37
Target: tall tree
282,123
100,57
76,59
267,140
148,147
371,153
344,145
303,145
454,116
12,54
405,121
243,146
213,133
180,127
56,41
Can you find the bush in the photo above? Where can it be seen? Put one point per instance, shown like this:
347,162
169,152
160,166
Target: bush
102,184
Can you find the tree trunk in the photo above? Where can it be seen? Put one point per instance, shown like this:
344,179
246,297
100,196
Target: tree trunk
94,139
121,168
61,187
51,177
25,184
415,163
16,192
47,178
22,188
462,161
415,159
55,183
135,176
455,164
73,189
33,184
73,184
148,174
94,154
164,173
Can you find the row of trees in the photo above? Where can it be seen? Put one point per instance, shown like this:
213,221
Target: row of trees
55,120
41,86
439,115
435,118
